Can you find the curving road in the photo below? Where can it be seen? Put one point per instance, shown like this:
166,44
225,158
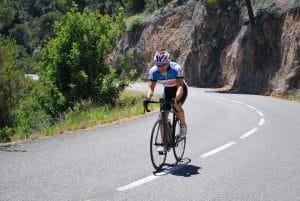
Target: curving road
239,147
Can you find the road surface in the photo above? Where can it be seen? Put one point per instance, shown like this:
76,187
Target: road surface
239,147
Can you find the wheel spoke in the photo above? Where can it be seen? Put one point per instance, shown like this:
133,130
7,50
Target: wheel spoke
180,143
156,141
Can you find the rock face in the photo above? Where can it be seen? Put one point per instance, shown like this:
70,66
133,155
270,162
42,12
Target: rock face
218,47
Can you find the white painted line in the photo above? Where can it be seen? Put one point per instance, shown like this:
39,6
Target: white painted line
210,153
253,130
238,102
138,183
260,113
220,97
261,122
250,106
166,171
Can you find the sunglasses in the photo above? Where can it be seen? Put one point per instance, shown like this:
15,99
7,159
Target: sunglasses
161,65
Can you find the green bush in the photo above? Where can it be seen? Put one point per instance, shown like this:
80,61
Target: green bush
72,70
74,61
14,88
7,15
21,34
211,3
134,22
11,81
5,134
40,109
151,5
46,24
32,117
292,95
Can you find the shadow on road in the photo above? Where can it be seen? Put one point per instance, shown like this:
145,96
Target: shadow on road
182,168
8,148
187,171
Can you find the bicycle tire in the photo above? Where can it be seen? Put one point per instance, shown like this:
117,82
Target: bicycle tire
157,159
180,144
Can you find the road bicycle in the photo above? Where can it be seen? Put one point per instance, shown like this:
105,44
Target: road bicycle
165,134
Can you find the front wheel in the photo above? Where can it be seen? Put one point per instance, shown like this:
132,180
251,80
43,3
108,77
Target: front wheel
180,143
157,158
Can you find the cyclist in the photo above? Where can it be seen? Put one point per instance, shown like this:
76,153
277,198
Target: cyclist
171,76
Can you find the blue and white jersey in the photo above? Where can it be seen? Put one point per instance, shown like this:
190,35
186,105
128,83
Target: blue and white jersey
167,79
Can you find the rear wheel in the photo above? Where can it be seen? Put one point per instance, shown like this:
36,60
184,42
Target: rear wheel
157,158
180,143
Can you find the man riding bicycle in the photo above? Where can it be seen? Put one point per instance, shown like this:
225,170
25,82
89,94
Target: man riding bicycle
171,76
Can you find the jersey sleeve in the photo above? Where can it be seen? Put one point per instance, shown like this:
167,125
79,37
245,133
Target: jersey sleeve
152,76
180,72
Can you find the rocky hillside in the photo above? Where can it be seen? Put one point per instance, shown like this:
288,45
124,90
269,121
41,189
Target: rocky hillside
218,47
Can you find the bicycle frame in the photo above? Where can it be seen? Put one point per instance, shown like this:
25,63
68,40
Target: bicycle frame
169,130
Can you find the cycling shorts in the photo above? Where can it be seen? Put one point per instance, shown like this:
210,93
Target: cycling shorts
170,94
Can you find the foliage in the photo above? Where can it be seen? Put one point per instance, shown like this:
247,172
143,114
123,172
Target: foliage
5,134
85,114
21,34
211,3
292,95
31,22
74,61
6,15
152,5
72,65
134,22
46,24
40,109
12,85
134,5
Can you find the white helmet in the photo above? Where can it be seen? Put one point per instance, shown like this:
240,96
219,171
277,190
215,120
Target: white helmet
161,58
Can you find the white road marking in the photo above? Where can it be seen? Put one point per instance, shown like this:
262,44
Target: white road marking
207,154
253,130
212,152
250,106
238,102
166,171
220,97
138,183
261,122
260,113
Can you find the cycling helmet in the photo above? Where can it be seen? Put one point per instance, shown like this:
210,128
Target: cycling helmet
161,58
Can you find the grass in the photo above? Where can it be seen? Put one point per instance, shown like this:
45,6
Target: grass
294,95
134,21
86,115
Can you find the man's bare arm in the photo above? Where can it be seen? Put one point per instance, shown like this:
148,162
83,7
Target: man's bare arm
151,87
179,91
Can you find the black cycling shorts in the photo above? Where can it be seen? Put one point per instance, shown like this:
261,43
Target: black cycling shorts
170,93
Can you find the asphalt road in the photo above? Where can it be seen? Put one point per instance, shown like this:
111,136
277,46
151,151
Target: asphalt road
239,147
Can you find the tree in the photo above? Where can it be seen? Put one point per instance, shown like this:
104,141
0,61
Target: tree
21,34
46,24
74,60
7,15
12,84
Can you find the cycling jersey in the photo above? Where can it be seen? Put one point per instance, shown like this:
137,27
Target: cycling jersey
167,79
